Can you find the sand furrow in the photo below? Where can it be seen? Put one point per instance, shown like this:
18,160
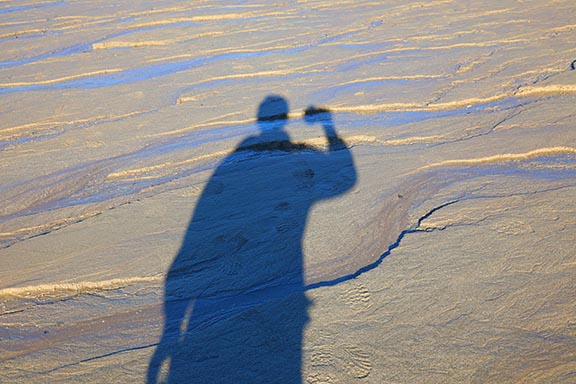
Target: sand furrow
503,158
66,290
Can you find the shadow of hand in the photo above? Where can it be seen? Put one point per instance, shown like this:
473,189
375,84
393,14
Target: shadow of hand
313,115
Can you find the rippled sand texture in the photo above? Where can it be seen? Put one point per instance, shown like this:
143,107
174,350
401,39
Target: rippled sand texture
452,260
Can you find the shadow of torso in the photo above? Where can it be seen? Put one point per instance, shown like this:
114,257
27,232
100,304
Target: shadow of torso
235,307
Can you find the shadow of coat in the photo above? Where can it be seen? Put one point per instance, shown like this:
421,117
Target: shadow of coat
235,307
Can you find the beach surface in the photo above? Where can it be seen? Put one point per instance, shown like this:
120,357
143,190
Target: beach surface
437,245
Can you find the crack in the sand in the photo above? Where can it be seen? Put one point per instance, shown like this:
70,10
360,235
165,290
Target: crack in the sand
375,264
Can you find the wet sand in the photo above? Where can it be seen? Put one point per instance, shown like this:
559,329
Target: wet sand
450,259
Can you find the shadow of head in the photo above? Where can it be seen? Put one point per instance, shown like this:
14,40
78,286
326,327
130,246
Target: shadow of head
273,112
273,108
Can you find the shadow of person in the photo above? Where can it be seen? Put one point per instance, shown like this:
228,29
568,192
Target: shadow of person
235,305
